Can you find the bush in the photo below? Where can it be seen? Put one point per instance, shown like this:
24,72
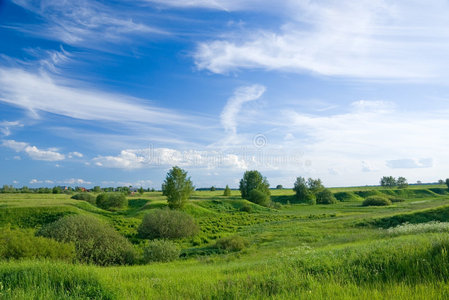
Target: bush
376,201
160,250
232,243
85,196
167,224
111,200
246,208
95,242
325,196
259,197
396,199
19,244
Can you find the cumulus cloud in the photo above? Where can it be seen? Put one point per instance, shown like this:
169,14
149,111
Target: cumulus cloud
363,39
157,157
34,152
75,154
234,104
73,181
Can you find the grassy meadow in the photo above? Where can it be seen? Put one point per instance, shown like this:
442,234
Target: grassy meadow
294,251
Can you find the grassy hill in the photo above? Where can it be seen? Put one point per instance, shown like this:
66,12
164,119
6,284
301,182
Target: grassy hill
342,250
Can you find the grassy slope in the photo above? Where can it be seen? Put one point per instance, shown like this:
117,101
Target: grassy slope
305,251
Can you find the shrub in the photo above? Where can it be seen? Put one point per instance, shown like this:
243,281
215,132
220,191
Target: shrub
85,196
325,196
111,200
231,243
246,208
396,199
95,242
160,250
167,224
259,197
18,244
376,201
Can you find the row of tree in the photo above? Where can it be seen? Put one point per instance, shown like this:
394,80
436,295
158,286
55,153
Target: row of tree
390,182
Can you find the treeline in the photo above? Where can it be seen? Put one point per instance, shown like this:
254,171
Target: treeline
70,190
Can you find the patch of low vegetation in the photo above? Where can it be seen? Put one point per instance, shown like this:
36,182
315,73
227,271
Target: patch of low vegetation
160,251
347,197
22,244
167,224
95,242
231,243
112,200
376,201
408,228
440,214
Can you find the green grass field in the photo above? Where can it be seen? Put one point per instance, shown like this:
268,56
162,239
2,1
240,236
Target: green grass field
299,251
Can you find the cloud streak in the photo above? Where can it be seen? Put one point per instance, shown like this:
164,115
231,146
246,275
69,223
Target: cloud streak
366,40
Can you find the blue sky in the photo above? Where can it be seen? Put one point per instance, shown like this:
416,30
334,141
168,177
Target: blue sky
116,92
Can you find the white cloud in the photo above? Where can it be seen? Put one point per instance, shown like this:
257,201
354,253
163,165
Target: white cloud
73,181
34,152
364,39
234,104
5,127
41,93
157,157
83,23
75,154
407,163
36,181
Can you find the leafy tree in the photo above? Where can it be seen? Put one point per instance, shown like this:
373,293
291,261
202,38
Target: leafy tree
97,189
303,193
253,180
388,181
57,190
441,182
447,182
325,196
315,185
177,187
227,191
212,188
402,182
279,187
167,224
141,190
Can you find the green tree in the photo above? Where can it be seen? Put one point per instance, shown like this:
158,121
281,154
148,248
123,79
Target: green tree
402,182
447,182
315,185
212,189
279,187
259,197
97,189
253,180
302,191
388,181
177,187
141,190
57,190
227,191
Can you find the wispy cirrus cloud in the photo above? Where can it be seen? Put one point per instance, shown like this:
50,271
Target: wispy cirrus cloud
41,92
89,24
232,108
365,39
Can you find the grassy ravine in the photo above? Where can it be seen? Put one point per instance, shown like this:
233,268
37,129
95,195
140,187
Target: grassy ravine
339,251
